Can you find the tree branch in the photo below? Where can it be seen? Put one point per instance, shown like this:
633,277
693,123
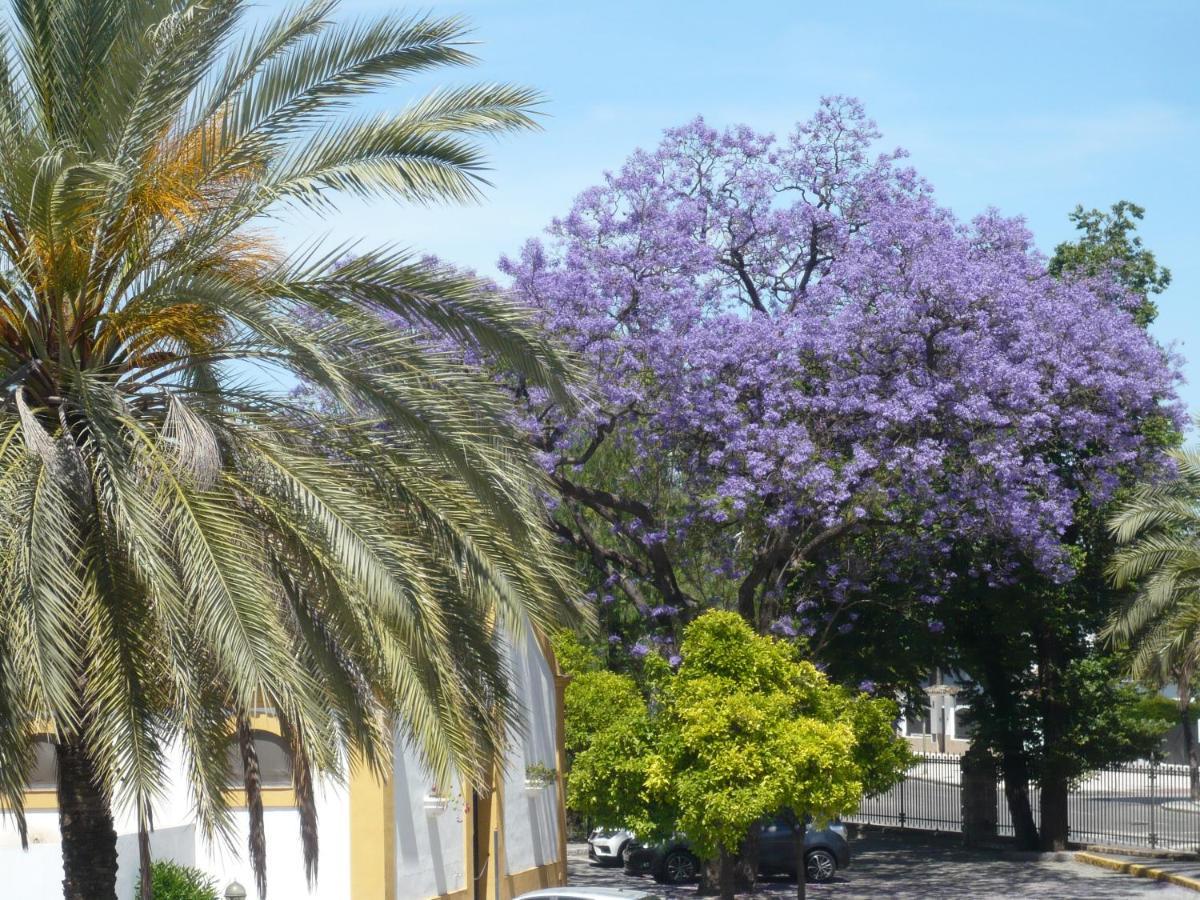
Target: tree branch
607,504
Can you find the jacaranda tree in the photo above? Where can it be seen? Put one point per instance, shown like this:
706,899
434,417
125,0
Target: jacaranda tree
795,346
180,543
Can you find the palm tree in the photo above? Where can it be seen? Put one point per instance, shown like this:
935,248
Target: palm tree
182,543
1159,528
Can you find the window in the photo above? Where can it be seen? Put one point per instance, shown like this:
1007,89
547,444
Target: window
43,776
917,720
964,723
274,761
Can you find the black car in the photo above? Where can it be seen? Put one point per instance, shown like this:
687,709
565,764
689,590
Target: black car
673,862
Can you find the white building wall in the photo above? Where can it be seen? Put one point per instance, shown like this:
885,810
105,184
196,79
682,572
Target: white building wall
430,847
37,873
531,817
431,853
33,874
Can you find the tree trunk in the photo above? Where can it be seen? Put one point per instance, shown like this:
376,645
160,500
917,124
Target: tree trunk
89,840
709,877
1014,765
1016,791
1184,685
725,874
1055,715
801,863
745,865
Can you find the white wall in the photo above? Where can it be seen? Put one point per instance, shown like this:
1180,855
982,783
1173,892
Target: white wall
531,817
430,849
37,874
42,827
285,861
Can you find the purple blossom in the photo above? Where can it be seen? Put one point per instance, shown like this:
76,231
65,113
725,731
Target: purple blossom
785,627
799,336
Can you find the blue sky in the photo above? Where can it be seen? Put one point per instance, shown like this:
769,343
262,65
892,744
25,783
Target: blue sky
1031,107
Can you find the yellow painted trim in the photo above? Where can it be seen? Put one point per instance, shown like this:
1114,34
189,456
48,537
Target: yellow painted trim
265,722
532,879
272,798
372,836
497,852
1137,870
42,800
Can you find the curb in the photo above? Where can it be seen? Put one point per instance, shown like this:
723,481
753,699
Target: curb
1137,870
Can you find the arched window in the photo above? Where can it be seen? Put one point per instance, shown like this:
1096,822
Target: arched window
274,761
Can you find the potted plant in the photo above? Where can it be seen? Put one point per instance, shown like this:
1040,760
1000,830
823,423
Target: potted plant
538,776
436,801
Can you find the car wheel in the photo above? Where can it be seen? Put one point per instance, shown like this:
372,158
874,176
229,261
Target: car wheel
820,866
678,867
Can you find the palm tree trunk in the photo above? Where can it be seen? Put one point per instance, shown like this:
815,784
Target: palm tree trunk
89,840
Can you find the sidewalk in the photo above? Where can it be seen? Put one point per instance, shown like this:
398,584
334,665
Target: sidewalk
1181,872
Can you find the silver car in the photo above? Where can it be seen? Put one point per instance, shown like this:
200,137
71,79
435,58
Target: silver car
609,846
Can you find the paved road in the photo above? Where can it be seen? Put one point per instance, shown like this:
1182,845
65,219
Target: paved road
919,867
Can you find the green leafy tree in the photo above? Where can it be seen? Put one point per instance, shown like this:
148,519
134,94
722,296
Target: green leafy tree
182,542
1159,529
1045,697
742,730
1108,238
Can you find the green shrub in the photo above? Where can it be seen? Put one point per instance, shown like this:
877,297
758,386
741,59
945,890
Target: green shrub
171,881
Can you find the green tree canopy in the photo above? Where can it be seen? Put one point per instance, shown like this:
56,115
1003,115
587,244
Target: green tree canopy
742,730
1110,238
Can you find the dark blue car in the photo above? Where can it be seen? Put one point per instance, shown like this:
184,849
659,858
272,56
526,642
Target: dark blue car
673,862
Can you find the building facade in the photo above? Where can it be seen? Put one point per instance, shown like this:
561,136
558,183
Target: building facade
403,838
938,720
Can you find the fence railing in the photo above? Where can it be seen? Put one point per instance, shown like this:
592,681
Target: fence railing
1144,805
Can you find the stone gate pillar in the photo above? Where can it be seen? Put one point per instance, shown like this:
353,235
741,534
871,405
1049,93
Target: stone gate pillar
979,796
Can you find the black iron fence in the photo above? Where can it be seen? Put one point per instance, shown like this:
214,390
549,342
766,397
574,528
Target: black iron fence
1144,805
928,798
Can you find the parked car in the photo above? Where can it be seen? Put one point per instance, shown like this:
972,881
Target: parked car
587,893
673,862
607,846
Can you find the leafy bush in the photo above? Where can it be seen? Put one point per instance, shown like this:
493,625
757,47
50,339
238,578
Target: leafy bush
171,881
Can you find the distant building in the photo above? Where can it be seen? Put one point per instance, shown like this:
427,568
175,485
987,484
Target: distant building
399,840
939,720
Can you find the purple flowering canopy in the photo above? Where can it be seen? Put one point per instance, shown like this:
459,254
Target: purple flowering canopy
792,342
